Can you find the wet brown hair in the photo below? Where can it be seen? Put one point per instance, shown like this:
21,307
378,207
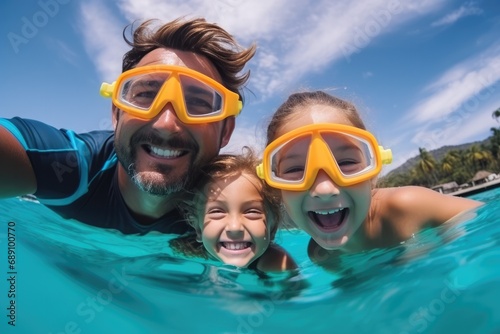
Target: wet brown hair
297,101
195,35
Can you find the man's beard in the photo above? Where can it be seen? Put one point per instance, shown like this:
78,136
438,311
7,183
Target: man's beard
155,182
158,180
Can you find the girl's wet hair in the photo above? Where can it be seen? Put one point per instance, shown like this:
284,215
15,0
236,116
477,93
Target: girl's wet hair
298,101
222,167
198,36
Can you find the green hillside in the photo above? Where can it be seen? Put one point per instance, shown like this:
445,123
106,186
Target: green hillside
437,154
457,163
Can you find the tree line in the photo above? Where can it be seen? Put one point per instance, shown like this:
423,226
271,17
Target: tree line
456,165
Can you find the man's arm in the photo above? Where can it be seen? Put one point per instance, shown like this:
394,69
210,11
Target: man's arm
16,174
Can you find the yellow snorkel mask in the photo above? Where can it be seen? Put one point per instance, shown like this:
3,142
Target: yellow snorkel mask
197,99
349,155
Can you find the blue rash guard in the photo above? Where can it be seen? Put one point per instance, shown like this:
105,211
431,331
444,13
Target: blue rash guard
77,177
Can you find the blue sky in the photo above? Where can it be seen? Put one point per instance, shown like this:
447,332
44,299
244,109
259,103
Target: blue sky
422,73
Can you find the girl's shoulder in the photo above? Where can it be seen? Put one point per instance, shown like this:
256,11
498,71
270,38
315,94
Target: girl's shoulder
403,197
417,207
415,198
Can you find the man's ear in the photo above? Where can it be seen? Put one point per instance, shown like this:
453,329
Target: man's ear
227,130
115,115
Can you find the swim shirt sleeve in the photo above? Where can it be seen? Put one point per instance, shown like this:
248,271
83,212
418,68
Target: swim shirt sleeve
77,177
61,159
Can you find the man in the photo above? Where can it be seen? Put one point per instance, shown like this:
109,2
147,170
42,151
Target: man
173,110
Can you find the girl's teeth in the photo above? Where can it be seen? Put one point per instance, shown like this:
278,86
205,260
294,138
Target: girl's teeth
327,212
235,245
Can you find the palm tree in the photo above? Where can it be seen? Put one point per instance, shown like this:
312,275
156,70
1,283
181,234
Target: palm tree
449,160
479,156
416,177
496,114
466,164
495,143
447,166
427,165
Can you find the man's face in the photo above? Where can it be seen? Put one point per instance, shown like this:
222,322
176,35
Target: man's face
161,154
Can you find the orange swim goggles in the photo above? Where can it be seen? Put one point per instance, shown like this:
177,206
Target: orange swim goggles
144,91
349,155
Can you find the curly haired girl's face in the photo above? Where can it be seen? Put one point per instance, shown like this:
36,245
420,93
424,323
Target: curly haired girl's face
234,228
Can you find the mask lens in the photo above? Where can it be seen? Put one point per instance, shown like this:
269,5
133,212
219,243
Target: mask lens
353,155
289,161
141,90
200,99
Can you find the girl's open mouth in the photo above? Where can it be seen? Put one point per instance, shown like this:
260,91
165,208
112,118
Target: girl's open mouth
329,220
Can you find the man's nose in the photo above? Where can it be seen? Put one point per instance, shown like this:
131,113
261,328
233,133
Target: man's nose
167,119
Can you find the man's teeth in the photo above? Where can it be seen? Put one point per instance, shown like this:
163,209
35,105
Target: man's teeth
327,212
236,245
165,153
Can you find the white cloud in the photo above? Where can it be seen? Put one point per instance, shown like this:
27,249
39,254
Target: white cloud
460,87
293,37
327,32
102,33
459,128
147,9
473,127
456,108
247,20
245,135
464,10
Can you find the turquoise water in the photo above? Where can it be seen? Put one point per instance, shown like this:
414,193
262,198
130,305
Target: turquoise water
73,278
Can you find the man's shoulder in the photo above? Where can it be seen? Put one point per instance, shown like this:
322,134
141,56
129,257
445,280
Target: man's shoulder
98,136
99,143
34,134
